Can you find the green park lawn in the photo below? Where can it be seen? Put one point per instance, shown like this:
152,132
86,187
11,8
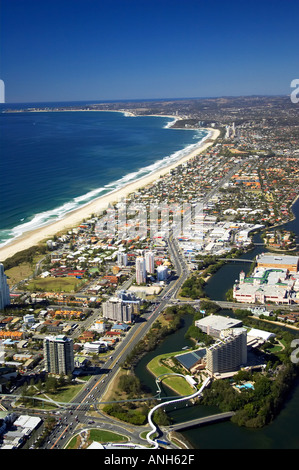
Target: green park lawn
66,393
178,384
98,435
63,395
53,284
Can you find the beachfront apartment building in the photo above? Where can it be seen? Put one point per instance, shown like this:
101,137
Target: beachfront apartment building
4,289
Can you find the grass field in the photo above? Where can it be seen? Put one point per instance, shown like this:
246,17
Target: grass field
63,395
66,394
20,272
178,384
53,284
96,435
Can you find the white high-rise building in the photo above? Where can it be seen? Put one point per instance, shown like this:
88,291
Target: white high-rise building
140,270
122,258
59,354
228,354
162,273
118,310
149,262
4,289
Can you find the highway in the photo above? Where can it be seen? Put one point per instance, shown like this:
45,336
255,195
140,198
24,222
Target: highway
233,305
76,417
91,395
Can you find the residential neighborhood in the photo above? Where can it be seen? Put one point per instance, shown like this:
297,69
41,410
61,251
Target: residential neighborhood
85,293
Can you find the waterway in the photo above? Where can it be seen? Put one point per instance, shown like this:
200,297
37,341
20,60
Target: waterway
224,278
281,434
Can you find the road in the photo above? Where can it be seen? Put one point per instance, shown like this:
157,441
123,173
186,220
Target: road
232,305
93,392
91,395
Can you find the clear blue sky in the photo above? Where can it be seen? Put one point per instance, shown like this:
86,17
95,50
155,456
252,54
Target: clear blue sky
72,50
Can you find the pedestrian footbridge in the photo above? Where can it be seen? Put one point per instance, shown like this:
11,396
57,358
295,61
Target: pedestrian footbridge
201,421
178,400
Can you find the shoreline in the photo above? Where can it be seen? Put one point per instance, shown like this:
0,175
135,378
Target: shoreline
73,218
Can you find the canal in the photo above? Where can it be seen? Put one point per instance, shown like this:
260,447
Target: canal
283,433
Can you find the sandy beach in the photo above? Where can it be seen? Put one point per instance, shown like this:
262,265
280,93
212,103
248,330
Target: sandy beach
74,218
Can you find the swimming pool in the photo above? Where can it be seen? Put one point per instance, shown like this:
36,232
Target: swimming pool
247,385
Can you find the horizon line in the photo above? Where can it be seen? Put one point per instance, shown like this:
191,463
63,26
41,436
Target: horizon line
121,100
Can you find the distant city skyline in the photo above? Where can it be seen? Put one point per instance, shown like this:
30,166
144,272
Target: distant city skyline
84,50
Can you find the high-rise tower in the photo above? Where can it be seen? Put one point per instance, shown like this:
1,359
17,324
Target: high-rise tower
4,289
150,262
140,270
59,354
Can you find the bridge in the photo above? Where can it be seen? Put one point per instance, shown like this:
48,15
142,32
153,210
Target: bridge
189,397
201,421
241,260
83,406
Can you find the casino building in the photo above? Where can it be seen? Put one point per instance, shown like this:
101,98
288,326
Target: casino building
267,260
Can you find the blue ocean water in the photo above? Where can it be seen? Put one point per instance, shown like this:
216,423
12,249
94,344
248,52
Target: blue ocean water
54,162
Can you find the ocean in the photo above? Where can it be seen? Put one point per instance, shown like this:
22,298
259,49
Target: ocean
52,163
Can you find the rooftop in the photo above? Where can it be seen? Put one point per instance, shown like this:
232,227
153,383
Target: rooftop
189,359
277,259
218,322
